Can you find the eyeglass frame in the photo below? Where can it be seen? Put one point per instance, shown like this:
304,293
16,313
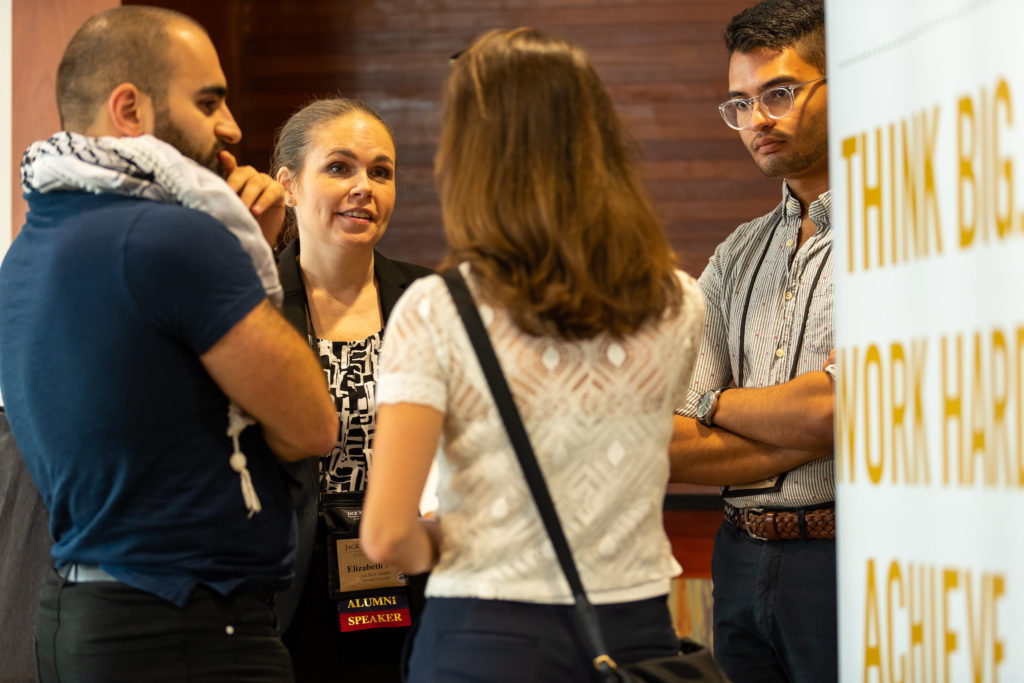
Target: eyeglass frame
764,109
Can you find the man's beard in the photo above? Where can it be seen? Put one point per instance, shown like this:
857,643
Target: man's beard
808,147
176,137
781,167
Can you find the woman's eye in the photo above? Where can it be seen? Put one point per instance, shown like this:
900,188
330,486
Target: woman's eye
337,168
381,173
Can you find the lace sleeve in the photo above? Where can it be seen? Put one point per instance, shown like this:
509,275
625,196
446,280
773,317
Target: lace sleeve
413,363
694,313
713,369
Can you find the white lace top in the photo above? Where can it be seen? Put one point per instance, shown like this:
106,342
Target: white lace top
599,416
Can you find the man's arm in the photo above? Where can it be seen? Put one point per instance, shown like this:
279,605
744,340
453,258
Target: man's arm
717,457
797,414
268,369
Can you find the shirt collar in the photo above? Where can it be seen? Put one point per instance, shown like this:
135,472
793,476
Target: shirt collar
820,210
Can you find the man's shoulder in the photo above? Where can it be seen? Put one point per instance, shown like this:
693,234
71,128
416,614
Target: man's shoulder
115,212
158,215
172,227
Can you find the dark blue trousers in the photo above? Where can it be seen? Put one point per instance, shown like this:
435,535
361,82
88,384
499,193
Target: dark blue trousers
110,632
775,608
494,641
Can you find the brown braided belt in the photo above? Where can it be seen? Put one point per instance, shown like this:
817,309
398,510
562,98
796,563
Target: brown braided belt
775,525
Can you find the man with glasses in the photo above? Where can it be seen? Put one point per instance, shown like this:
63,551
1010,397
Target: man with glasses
758,421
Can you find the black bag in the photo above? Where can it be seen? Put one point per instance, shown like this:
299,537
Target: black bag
693,662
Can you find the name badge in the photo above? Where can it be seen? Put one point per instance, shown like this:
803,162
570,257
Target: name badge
769,485
357,572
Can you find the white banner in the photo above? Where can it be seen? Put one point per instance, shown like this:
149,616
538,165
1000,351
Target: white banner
926,171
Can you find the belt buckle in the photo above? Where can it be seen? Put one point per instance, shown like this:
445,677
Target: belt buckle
745,516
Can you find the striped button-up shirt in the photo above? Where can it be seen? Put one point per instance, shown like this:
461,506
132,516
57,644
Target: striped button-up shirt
788,320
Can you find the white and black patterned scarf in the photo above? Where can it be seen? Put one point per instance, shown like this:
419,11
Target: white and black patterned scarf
147,168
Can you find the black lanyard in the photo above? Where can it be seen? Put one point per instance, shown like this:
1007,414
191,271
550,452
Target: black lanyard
310,332
750,292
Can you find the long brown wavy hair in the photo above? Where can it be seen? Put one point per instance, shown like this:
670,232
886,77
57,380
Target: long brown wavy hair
539,192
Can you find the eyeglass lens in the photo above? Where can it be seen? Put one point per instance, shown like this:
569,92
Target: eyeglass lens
775,102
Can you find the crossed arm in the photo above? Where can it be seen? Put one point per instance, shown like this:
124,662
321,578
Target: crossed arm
269,370
758,433
797,414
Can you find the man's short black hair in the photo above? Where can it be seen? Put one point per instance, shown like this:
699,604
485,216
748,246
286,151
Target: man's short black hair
778,24
120,45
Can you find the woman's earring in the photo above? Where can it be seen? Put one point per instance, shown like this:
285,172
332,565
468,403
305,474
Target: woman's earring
288,201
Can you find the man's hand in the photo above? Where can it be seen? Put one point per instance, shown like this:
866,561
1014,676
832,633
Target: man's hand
261,194
831,360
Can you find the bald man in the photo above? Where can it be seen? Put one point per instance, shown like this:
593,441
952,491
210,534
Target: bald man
137,309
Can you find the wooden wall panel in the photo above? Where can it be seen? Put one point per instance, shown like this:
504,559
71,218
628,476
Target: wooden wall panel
40,31
662,60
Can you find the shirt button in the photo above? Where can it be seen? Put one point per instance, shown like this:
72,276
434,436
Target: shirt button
789,243
789,295
779,353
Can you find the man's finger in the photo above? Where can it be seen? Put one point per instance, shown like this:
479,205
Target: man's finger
239,179
227,162
259,192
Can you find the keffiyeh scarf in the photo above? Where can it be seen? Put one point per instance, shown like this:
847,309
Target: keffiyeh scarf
148,168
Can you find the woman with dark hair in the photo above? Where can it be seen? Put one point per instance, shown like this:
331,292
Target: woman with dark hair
597,333
336,160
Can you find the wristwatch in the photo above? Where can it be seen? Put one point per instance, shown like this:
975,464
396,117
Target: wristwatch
707,405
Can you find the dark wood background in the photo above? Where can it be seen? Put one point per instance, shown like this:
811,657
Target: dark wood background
662,60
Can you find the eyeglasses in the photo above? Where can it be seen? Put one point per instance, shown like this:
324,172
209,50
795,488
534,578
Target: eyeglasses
776,103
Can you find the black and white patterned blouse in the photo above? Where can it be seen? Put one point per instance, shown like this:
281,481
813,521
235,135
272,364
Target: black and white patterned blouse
351,371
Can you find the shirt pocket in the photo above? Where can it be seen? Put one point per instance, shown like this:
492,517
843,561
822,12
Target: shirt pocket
819,330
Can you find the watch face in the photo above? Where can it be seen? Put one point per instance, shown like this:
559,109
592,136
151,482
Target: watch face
704,406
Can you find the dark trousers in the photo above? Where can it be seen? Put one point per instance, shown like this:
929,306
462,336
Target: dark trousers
111,632
463,640
774,608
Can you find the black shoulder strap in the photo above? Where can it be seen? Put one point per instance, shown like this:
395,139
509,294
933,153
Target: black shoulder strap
527,459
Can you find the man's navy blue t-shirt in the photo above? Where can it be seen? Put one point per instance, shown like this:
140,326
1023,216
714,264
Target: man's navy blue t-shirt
108,302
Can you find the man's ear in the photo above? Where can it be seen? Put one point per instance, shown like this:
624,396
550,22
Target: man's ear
130,111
